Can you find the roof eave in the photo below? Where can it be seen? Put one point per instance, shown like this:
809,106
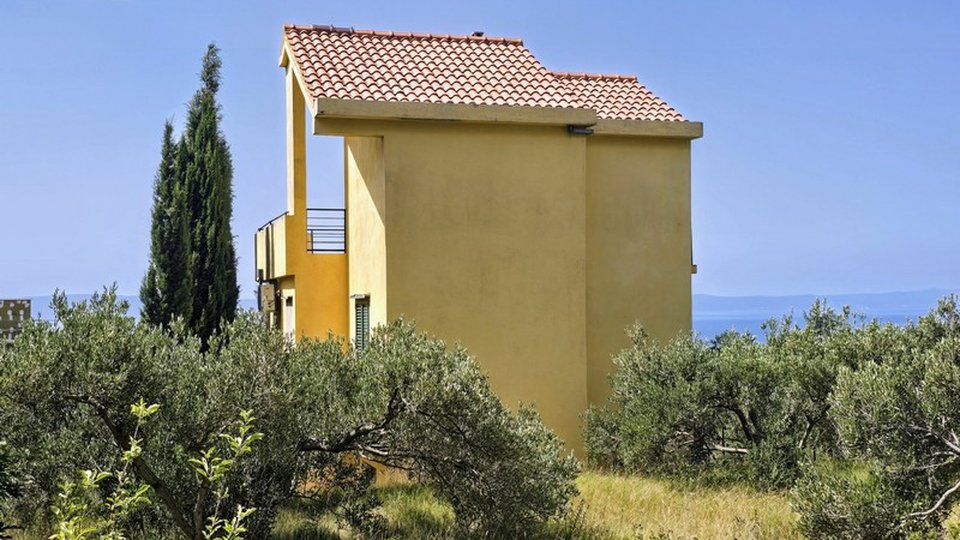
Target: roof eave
288,61
649,128
392,110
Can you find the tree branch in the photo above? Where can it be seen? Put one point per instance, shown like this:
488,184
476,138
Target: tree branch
955,448
350,441
742,418
140,467
809,428
935,507
728,449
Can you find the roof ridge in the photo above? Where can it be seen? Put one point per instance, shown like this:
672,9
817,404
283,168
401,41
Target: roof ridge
383,33
593,76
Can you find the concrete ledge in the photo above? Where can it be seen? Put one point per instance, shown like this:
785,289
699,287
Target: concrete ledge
649,128
382,110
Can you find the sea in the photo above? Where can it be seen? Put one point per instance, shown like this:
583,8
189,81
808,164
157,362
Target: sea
714,314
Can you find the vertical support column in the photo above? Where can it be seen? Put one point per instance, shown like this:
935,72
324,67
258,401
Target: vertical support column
294,288
296,148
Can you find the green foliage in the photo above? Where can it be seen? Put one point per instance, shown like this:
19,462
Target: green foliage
902,416
407,402
192,272
838,500
324,414
212,468
65,390
208,175
81,511
167,285
76,510
729,409
10,485
861,418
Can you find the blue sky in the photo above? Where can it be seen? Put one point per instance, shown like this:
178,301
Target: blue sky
829,162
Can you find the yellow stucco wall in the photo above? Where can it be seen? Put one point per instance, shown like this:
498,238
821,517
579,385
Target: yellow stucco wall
638,245
321,285
485,246
317,281
366,233
532,247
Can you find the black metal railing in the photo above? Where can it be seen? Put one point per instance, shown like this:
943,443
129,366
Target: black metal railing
269,223
326,230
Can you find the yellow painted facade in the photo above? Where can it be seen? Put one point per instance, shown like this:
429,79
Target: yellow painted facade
311,287
499,229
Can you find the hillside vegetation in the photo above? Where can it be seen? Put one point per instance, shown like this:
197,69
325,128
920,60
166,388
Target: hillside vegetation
859,420
833,427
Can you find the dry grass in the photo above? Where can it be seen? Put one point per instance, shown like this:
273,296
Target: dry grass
411,512
611,507
635,506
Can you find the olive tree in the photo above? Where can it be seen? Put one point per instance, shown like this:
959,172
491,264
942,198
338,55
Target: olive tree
405,401
733,407
899,419
10,486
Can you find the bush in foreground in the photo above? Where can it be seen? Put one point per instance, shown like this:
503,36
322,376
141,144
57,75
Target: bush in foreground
733,408
900,420
10,487
865,415
404,401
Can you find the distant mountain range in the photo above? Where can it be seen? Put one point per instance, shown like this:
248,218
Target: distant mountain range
711,314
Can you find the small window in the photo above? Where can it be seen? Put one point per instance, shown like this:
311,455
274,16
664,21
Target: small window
362,315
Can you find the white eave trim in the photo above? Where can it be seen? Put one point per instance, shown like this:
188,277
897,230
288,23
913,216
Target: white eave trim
649,128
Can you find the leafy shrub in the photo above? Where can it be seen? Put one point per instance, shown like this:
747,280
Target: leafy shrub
732,408
839,500
738,409
404,401
903,417
410,404
10,486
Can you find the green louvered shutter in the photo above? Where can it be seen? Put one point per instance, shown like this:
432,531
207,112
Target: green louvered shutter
362,316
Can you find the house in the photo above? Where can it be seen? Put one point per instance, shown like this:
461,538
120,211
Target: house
13,315
528,214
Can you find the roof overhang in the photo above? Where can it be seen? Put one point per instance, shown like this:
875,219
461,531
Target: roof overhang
649,128
344,109
449,112
285,62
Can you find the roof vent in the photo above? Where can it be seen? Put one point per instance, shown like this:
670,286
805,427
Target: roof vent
477,34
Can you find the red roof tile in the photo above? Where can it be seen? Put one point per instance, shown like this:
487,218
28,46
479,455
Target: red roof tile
348,64
618,97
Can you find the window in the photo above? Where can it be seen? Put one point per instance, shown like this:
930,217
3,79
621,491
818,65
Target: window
289,323
362,316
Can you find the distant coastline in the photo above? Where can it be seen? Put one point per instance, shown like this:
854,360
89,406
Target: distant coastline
713,314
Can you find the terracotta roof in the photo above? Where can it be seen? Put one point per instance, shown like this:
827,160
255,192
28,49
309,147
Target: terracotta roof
348,64
618,97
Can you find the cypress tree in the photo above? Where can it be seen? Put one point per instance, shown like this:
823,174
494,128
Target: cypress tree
165,291
193,263
208,176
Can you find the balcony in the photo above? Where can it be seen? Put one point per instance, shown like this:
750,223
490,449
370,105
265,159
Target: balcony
269,245
325,232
